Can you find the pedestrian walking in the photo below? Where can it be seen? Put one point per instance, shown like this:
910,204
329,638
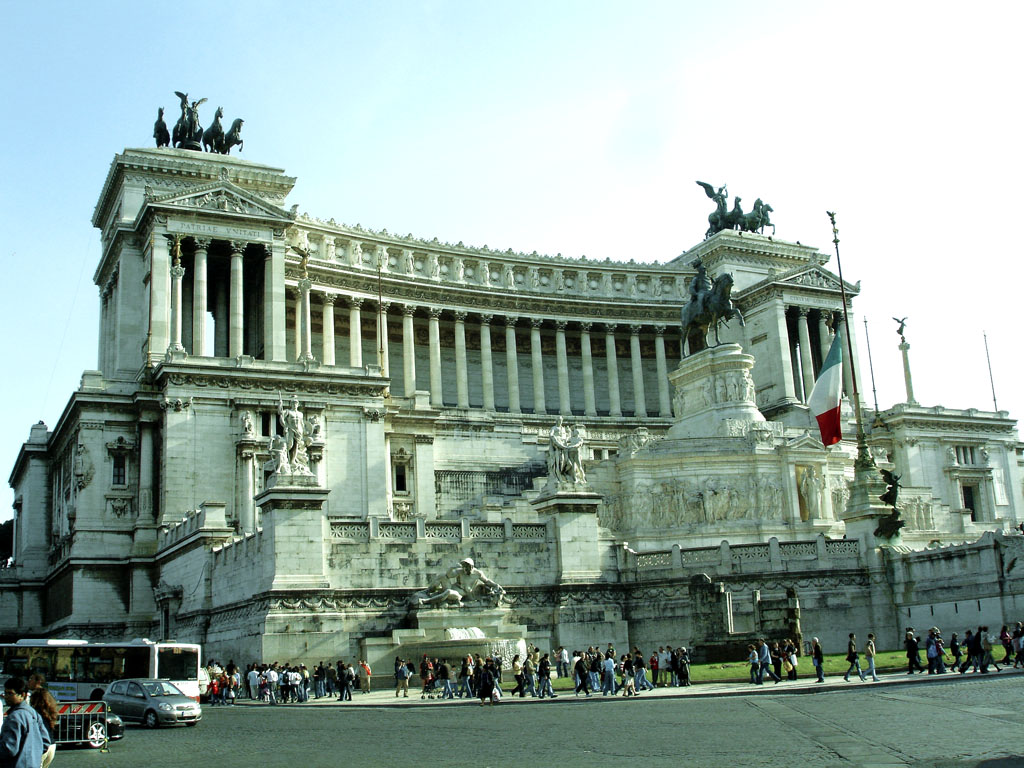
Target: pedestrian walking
869,655
818,658
853,658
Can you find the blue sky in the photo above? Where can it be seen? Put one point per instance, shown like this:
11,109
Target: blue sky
561,127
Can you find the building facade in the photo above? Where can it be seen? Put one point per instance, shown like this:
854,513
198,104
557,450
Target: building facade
431,376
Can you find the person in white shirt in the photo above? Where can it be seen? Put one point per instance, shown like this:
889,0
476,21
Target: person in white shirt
272,679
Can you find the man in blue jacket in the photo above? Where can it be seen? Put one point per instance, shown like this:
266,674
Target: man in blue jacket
23,737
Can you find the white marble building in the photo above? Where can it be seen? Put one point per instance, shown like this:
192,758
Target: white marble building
433,374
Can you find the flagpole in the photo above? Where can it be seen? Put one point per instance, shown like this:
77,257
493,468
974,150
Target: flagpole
991,381
871,366
862,442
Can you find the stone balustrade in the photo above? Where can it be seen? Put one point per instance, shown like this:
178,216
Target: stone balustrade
816,554
436,530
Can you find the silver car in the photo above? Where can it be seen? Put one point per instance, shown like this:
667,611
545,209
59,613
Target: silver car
152,702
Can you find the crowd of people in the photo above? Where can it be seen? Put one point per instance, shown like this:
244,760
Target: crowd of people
591,670
595,670
975,652
286,683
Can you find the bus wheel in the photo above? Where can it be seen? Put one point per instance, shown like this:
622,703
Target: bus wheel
96,695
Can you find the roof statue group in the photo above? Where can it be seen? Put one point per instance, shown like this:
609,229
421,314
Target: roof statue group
189,133
723,218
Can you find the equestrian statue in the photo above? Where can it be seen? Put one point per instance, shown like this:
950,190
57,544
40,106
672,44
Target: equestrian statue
710,303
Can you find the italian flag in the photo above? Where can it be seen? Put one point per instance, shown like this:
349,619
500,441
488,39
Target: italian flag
827,393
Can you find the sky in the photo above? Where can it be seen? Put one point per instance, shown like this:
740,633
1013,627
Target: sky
564,127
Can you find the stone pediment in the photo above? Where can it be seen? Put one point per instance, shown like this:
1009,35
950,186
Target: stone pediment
222,197
815,277
804,442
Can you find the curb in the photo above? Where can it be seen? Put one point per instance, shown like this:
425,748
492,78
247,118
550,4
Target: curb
697,691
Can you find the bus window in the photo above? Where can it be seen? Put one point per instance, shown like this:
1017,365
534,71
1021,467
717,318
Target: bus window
177,664
62,669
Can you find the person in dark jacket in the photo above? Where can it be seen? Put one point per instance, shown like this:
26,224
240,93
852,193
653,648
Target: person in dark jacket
913,653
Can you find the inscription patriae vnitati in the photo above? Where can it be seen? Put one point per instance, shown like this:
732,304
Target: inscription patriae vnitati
182,227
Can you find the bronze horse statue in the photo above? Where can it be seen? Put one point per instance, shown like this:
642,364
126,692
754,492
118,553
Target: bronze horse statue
698,317
757,219
213,136
232,137
160,133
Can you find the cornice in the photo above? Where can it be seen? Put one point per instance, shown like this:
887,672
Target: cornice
481,299
198,166
273,378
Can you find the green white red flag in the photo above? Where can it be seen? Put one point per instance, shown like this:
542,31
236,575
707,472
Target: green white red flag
827,394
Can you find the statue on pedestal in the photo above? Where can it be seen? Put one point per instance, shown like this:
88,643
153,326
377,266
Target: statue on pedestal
295,438
710,303
565,454
462,582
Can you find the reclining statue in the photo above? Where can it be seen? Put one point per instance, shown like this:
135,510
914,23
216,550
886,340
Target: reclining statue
462,582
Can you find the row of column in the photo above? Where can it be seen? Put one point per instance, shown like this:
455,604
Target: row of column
235,326
540,404
803,368
303,341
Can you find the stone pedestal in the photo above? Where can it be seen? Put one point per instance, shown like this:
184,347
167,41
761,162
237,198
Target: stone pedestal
574,513
450,633
294,532
713,392
865,509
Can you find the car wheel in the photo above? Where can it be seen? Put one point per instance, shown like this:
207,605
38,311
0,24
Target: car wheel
97,735
151,720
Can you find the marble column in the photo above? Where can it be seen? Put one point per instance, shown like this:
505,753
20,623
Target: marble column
355,332
177,273
905,349
237,311
589,399
486,364
274,304
146,471
220,318
383,347
328,334
408,350
246,509
615,403
305,285
664,398
824,333
512,364
537,364
294,294
806,363
199,297
159,310
434,335
562,361
639,393
461,371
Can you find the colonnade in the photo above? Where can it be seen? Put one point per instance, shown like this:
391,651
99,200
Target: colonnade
812,330
517,331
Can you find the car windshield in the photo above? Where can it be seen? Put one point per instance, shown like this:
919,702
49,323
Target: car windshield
158,688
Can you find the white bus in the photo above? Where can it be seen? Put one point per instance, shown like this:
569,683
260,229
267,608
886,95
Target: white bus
77,670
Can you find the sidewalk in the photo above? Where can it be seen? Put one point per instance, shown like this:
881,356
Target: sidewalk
386,697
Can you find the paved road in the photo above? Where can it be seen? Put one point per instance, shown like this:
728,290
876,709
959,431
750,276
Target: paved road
953,722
